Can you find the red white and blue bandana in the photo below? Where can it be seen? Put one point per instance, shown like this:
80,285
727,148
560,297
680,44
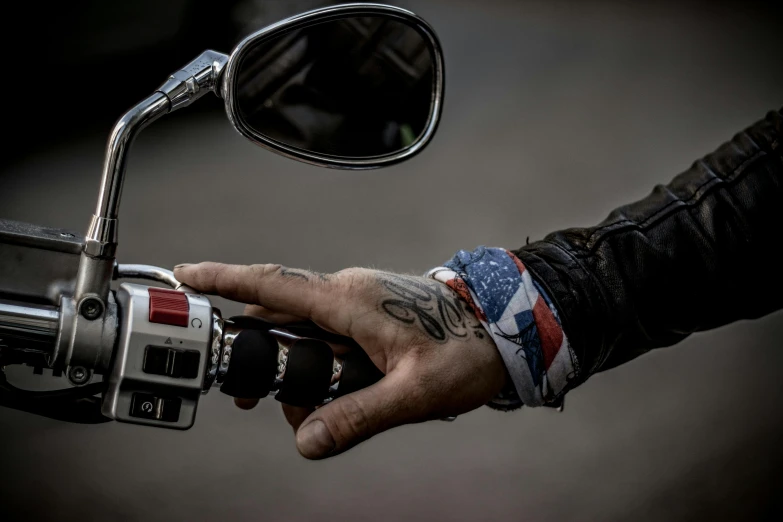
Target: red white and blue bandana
521,319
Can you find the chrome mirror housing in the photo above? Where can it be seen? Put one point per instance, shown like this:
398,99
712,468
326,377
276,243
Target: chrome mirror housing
355,86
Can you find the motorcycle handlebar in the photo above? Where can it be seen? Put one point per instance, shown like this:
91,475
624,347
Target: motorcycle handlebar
294,362
35,327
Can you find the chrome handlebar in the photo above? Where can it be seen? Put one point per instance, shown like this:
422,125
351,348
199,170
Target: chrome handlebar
40,324
27,319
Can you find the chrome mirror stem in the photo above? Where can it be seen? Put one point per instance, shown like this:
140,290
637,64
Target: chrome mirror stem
150,273
101,237
180,90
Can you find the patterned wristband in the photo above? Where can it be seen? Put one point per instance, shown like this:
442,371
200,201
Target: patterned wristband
522,321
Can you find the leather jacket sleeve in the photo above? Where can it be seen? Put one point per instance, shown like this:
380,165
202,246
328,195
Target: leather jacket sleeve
695,254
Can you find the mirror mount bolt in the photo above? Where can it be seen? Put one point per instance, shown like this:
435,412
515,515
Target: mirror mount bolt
195,79
79,375
91,308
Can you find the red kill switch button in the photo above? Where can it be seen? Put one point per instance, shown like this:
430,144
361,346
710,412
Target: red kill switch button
168,307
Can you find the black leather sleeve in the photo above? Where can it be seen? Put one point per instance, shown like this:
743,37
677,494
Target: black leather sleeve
698,253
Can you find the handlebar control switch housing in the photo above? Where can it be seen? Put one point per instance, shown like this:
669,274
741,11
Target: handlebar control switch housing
159,365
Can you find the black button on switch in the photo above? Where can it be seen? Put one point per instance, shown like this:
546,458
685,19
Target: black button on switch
171,409
156,360
148,406
172,363
143,405
189,366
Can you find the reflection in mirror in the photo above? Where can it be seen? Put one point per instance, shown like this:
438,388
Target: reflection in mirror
352,87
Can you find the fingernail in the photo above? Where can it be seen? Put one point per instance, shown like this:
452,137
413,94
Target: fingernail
183,265
314,440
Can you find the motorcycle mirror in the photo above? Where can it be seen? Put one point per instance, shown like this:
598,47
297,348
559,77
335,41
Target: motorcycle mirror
355,86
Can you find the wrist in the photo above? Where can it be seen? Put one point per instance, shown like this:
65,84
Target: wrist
521,320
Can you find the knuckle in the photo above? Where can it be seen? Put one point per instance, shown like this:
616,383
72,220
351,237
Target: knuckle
347,274
221,278
258,273
265,270
353,419
353,280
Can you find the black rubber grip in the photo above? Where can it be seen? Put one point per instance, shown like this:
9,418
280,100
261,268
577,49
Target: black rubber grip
308,373
309,368
358,372
253,367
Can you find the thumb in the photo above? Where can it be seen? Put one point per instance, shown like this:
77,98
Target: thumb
353,418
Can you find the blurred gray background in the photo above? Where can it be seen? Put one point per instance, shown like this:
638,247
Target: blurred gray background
556,112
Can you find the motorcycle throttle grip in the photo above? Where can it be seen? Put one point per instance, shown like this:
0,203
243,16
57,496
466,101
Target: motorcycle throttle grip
253,368
358,370
309,367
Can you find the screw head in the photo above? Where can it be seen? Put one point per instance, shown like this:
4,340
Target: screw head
91,308
78,375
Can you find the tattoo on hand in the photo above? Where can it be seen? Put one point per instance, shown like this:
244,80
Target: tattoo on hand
292,272
302,274
438,312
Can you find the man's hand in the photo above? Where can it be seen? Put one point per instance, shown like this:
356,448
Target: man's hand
437,358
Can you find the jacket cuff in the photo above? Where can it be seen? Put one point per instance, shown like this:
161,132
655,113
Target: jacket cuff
521,319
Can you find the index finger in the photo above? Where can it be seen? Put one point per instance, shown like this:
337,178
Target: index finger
287,290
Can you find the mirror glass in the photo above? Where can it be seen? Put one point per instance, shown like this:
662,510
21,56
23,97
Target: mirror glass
353,87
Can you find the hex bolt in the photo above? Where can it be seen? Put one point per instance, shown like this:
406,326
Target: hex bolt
91,308
78,375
